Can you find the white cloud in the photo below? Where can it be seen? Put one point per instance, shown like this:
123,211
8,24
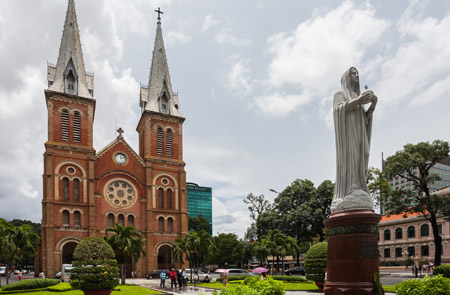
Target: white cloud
280,104
209,22
239,78
226,36
176,37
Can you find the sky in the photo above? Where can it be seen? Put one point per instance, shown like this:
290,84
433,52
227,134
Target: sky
255,81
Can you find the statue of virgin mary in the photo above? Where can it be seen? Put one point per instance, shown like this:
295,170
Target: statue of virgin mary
353,129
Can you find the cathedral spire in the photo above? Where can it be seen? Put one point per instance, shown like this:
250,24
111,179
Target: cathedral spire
159,97
69,75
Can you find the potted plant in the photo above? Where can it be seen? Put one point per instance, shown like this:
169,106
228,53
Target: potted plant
315,264
95,269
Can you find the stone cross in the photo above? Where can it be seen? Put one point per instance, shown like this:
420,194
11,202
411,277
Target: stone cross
120,131
159,13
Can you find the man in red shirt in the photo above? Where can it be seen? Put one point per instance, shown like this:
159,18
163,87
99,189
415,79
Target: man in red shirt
173,278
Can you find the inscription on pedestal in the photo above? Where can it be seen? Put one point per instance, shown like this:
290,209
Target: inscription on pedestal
368,250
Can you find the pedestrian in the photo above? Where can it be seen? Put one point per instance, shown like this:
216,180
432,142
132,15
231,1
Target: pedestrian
180,278
184,277
195,278
224,278
173,278
412,268
416,270
139,274
162,275
20,274
263,276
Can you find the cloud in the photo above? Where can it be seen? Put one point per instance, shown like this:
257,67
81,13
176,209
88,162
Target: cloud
226,37
209,22
176,37
239,78
317,51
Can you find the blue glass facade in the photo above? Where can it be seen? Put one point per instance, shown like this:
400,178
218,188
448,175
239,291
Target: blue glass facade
199,201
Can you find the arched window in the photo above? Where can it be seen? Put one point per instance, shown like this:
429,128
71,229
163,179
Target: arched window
121,220
411,232
387,253
66,218
160,141
398,234
425,251
169,143
160,198
425,230
387,235
110,220
76,190
65,125
169,198
161,224
77,219
66,192
130,220
76,127
170,225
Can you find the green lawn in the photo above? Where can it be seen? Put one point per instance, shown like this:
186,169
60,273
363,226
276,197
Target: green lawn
119,290
389,288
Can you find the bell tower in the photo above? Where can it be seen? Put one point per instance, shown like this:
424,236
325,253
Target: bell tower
161,146
68,205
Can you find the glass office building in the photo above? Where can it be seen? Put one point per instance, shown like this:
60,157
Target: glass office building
199,201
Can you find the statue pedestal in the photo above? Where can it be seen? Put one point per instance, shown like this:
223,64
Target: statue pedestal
352,252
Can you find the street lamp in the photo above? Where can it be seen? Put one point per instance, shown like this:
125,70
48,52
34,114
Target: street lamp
282,222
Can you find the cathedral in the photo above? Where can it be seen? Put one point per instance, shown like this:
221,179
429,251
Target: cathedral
85,191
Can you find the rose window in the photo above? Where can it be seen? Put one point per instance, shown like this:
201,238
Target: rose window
120,194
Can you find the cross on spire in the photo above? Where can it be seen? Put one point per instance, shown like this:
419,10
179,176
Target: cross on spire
159,13
120,131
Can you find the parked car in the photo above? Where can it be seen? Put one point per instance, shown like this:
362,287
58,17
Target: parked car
202,277
155,273
65,273
239,272
2,271
58,276
297,270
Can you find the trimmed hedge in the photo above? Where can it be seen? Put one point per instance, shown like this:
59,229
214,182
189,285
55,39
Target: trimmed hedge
437,285
93,248
61,287
234,278
316,261
31,284
289,279
443,270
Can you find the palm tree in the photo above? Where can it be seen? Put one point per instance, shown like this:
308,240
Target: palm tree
274,241
127,243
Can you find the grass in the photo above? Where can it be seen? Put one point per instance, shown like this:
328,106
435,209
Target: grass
119,290
388,288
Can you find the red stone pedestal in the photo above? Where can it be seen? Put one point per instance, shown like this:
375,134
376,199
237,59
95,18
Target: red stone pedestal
352,252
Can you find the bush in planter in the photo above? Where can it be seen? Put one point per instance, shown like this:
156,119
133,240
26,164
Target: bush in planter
444,270
94,266
316,262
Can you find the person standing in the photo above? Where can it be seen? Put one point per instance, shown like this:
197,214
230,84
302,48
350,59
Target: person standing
224,278
184,277
162,275
20,275
173,279
180,278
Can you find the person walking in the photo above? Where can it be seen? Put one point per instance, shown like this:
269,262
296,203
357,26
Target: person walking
162,275
173,279
184,277
20,275
180,279
224,278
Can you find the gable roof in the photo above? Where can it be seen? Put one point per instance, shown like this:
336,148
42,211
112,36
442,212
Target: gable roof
119,139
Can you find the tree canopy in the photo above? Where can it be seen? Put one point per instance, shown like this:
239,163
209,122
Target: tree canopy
198,223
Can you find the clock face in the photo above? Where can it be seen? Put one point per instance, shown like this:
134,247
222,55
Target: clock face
120,158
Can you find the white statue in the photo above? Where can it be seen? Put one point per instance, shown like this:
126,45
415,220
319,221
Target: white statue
353,128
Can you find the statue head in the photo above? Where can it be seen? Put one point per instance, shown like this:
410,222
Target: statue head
350,81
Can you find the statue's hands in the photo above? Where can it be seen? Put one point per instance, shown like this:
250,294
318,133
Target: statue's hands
366,97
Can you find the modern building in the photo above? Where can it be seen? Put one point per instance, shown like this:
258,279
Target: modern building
84,191
412,237
199,201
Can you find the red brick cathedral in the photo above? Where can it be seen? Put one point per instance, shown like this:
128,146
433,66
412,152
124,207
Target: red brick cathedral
84,191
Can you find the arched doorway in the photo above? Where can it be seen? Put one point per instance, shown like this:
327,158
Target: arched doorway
164,257
67,252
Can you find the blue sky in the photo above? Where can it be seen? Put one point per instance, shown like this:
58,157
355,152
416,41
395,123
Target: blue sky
255,82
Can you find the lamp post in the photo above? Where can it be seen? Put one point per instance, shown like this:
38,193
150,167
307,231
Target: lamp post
282,223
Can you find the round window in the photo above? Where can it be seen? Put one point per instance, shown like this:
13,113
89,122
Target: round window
120,193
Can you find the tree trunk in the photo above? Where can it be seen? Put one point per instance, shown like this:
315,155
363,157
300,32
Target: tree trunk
278,263
298,259
7,274
124,269
437,241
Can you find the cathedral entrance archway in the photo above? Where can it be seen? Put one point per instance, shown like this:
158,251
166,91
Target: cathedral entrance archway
164,257
67,252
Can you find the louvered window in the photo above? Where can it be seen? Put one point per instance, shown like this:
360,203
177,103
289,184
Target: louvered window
170,225
161,224
66,218
121,219
76,190
77,219
130,220
110,220
65,125
160,198
66,191
169,143
160,141
76,127
169,198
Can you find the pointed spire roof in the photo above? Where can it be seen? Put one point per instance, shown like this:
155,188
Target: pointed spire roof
159,89
70,58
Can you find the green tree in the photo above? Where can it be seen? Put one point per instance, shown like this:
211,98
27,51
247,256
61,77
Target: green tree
421,157
256,205
228,249
198,223
275,242
127,243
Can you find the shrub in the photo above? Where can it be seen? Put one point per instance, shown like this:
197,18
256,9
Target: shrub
256,286
62,287
31,284
234,278
247,280
94,268
437,285
289,279
444,270
316,261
